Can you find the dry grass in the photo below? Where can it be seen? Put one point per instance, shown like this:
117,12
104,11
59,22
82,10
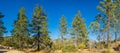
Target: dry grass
59,51
17,51
42,51
92,50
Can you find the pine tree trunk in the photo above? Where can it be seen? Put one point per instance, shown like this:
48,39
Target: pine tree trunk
108,25
20,44
115,34
38,40
77,39
108,32
99,38
62,41
38,46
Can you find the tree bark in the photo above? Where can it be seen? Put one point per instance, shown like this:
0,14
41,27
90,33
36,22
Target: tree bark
108,31
115,33
38,39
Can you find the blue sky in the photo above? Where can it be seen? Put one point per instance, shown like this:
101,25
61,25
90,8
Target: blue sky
54,10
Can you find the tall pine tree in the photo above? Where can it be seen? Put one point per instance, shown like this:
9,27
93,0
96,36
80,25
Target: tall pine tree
116,19
107,8
63,27
20,31
39,28
97,27
80,29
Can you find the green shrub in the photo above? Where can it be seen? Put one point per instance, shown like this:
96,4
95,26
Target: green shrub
56,47
81,46
69,48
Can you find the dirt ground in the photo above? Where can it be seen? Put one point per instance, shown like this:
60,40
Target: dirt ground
57,51
14,51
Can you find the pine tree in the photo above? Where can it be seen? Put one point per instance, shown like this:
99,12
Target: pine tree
8,41
80,30
116,19
39,28
107,7
97,27
2,28
72,35
63,27
20,31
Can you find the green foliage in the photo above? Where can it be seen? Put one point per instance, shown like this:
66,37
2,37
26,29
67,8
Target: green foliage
54,47
46,43
63,26
1,15
116,19
39,29
63,30
110,10
95,28
107,8
8,41
107,21
69,48
20,31
82,46
79,27
2,28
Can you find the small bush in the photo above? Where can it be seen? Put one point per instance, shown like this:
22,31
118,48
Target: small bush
56,47
69,48
81,46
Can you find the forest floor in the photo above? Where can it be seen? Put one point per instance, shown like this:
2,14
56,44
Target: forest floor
113,45
87,51
58,51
